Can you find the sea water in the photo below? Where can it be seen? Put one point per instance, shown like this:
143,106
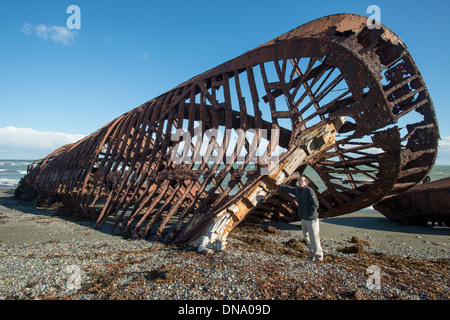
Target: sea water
11,171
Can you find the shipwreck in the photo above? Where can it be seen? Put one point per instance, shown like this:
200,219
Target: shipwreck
423,203
335,96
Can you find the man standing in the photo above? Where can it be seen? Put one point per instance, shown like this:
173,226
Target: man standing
307,210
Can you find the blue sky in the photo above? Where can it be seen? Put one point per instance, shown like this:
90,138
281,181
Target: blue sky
56,85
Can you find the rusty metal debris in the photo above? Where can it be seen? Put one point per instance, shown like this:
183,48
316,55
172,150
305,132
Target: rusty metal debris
422,203
340,100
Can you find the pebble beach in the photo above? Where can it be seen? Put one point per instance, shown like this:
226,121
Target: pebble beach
48,256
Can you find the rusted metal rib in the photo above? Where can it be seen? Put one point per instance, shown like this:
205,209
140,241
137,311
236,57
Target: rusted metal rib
334,68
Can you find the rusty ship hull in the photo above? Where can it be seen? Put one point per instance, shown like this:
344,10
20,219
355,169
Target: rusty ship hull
428,202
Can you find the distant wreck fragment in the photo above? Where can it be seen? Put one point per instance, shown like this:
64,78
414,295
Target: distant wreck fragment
332,96
428,202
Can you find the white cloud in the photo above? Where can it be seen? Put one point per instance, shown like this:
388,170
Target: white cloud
444,143
444,151
26,143
57,34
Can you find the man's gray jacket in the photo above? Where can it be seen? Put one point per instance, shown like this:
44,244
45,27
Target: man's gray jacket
307,201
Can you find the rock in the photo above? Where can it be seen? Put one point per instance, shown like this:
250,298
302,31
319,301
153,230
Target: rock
357,248
271,230
357,240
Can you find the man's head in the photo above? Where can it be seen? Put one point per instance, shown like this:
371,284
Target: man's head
303,181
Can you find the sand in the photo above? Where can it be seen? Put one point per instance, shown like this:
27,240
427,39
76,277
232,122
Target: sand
21,222
387,236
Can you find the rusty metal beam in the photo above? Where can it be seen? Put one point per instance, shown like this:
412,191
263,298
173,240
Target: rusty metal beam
285,90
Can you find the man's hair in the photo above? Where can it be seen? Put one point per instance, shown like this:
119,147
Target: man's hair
303,176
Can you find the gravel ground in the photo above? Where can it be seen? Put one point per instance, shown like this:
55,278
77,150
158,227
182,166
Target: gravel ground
45,256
